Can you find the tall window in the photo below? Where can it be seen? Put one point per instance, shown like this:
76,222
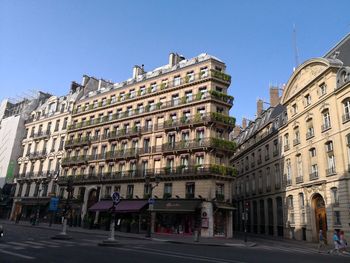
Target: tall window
277,176
346,105
310,129
326,120
268,179
286,142
301,200
288,172
299,165
296,136
334,196
190,190
168,188
322,89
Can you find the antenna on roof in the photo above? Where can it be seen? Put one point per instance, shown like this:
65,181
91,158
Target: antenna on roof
296,55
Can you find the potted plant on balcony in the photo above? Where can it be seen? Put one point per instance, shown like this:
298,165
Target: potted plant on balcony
149,89
183,119
197,117
199,96
167,169
162,86
183,100
187,79
139,93
147,107
158,105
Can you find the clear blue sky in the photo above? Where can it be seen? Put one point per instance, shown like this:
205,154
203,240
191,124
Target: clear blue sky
44,45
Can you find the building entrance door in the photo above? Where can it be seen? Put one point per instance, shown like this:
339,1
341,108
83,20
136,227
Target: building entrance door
320,215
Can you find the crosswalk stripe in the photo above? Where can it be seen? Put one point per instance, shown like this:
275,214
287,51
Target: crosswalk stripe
39,243
23,244
50,243
291,250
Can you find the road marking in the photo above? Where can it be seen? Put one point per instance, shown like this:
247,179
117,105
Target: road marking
16,254
23,244
180,255
40,243
50,243
289,250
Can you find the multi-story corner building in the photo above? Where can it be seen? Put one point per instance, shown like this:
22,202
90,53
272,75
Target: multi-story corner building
161,134
43,148
313,141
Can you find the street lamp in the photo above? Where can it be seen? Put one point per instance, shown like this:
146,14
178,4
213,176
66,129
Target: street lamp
150,206
36,221
69,189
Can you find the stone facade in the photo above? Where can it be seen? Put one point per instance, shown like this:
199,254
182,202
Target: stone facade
166,129
311,139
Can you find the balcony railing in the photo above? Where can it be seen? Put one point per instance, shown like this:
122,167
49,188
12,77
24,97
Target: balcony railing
74,160
41,134
184,145
199,119
219,197
158,88
166,173
331,171
37,155
313,176
346,117
78,142
296,142
299,179
310,134
151,108
325,127
123,133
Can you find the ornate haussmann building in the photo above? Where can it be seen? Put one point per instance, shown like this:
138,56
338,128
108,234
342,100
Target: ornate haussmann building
42,148
162,135
293,161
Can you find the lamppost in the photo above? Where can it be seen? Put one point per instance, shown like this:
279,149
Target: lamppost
36,221
150,205
69,189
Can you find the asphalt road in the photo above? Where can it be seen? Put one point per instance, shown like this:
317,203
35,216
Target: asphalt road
29,244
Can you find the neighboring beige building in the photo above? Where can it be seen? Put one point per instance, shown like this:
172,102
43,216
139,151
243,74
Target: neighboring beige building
170,127
43,148
313,140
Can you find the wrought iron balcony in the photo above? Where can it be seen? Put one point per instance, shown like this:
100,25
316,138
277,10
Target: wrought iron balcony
167,173
299,179
346,117
326,126
41,135
313,176
331,171
310,134
37,155
78,142
296,142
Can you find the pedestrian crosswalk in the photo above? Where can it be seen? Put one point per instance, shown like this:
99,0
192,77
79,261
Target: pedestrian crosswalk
287,249
42,244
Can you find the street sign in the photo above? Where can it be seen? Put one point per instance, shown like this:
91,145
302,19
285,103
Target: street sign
53,204
116,197
151,201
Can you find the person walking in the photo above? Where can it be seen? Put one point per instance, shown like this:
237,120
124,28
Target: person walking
343,243
336,243
321,243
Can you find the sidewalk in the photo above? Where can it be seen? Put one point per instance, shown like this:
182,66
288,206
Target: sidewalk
155,237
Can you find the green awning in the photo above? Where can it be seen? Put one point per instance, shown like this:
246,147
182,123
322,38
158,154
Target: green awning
174,205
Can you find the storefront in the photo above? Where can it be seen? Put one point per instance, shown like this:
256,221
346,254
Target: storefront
130,215
27,208
176,216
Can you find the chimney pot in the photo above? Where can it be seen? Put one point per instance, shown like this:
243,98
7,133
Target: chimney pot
259,107
274,96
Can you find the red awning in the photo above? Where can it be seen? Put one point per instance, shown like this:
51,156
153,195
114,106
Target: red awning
102,206
130,206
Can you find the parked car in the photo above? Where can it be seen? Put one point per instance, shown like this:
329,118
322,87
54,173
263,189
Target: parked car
1,231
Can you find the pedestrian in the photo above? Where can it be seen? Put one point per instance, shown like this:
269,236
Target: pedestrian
321,243
343,242
336,243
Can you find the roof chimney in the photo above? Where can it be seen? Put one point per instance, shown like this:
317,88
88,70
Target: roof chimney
244,123
236,131
274,96
259,107
137,71
175,58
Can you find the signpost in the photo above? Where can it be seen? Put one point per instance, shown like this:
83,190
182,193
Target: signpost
111,240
